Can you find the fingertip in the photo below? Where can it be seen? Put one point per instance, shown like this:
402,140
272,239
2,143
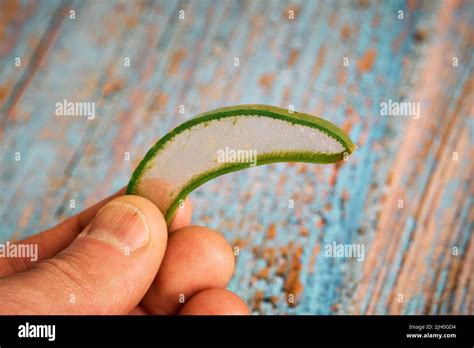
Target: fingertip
196,258
182,217
215,302
154,219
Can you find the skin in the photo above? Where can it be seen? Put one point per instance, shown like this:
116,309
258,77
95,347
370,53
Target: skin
184,260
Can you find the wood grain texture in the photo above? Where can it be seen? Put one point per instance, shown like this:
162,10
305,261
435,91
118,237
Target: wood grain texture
409,251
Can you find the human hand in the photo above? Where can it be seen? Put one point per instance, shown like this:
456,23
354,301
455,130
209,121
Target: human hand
118,258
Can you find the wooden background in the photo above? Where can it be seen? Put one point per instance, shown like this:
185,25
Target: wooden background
423,251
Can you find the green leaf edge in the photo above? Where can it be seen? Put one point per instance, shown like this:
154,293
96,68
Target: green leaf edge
267,158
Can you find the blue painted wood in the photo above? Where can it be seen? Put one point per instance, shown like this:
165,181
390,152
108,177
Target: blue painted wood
190,62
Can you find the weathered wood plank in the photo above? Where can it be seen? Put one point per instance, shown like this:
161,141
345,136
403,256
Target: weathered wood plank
413,252
26,32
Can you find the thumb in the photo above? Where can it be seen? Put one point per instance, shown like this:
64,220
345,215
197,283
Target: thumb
106,270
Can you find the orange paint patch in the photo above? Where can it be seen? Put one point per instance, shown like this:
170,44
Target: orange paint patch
334,174
319,62
25,216
339,99
293,57
346,32
264,273
342,76
328,207
270,256
293,285
302,168
257,300
411,4
159,102
286,95
363,3
131,21
112,87
162,99
345,195
10,8
281,269
176,60
320,223
347,126
349,110
312,259
420,35
271,232
9,11
304,232
239,243
274,300
367,61
266,80
3,93
281,184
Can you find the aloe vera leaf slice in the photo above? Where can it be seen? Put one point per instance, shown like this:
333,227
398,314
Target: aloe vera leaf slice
230,139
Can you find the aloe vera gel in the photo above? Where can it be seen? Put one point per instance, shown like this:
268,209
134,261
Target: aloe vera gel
229,139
